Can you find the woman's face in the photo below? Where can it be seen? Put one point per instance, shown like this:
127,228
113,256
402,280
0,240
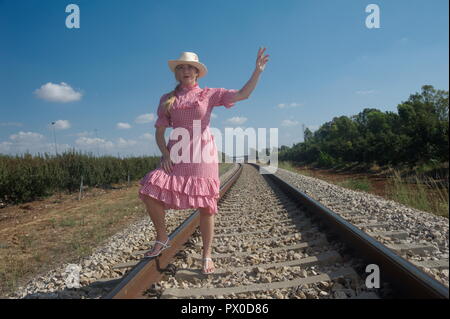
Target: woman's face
186,74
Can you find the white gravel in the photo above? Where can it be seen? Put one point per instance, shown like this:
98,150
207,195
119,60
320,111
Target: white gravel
422,227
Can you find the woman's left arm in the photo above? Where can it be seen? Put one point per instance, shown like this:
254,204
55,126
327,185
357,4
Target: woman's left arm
248,88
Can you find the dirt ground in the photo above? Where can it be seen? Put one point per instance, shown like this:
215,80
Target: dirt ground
377,181
36,236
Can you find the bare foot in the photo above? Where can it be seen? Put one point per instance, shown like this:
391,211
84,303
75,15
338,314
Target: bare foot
208,266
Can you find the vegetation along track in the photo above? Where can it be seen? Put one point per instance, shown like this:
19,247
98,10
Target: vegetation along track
272,241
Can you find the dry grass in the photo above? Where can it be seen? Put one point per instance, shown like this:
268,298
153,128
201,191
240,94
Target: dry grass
358,184
36,243
423,193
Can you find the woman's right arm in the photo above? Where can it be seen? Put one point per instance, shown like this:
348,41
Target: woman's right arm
166,163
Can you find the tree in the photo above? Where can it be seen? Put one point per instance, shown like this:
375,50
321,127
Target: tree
417,134
307,134
424,119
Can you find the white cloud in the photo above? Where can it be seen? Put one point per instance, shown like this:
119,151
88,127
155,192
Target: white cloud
293,104
5,147
289,123
123,126
26,137
313,128
32,143
145,118
237,120
80,134
61,125
85,133
147,136
58,93
91,142
123,143
214,116
365,92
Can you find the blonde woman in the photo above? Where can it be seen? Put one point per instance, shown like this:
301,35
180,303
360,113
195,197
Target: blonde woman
189,184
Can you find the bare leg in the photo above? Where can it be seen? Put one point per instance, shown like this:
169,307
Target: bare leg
207,231
155,209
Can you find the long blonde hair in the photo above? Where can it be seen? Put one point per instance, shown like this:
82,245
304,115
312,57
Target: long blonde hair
170,100
172,96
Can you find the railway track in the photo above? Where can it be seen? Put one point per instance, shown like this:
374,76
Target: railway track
418,237
272,241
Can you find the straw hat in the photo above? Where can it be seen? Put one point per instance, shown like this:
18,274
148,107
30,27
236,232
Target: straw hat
189,58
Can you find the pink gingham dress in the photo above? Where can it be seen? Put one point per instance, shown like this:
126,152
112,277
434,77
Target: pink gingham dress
190,184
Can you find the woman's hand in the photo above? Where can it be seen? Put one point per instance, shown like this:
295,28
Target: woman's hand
261,60
166,164
248,88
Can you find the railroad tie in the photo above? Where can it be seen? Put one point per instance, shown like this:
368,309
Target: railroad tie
271,223
374,224
238,234
390,234
183,293
105,282
414,248
272,217
436,264
290,210
262,240
322,259
348,212
321,240
127,264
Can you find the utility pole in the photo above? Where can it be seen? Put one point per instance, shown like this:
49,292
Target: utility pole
54,136
97,142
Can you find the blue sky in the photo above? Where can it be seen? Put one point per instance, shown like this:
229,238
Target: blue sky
324,62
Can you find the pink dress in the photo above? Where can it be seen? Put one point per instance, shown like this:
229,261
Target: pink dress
194,180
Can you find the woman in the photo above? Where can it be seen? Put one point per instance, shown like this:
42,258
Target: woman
189,184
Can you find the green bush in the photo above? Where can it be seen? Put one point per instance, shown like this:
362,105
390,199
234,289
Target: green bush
325,160
357,184
25,178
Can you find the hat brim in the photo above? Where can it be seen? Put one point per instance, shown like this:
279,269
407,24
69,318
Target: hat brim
200,66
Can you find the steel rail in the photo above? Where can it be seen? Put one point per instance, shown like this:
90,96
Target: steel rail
150,271
408,280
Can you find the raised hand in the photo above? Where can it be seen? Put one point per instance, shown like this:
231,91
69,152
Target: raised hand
261,59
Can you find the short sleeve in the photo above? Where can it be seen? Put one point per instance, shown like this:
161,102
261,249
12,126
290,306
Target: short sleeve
163,120
221,96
